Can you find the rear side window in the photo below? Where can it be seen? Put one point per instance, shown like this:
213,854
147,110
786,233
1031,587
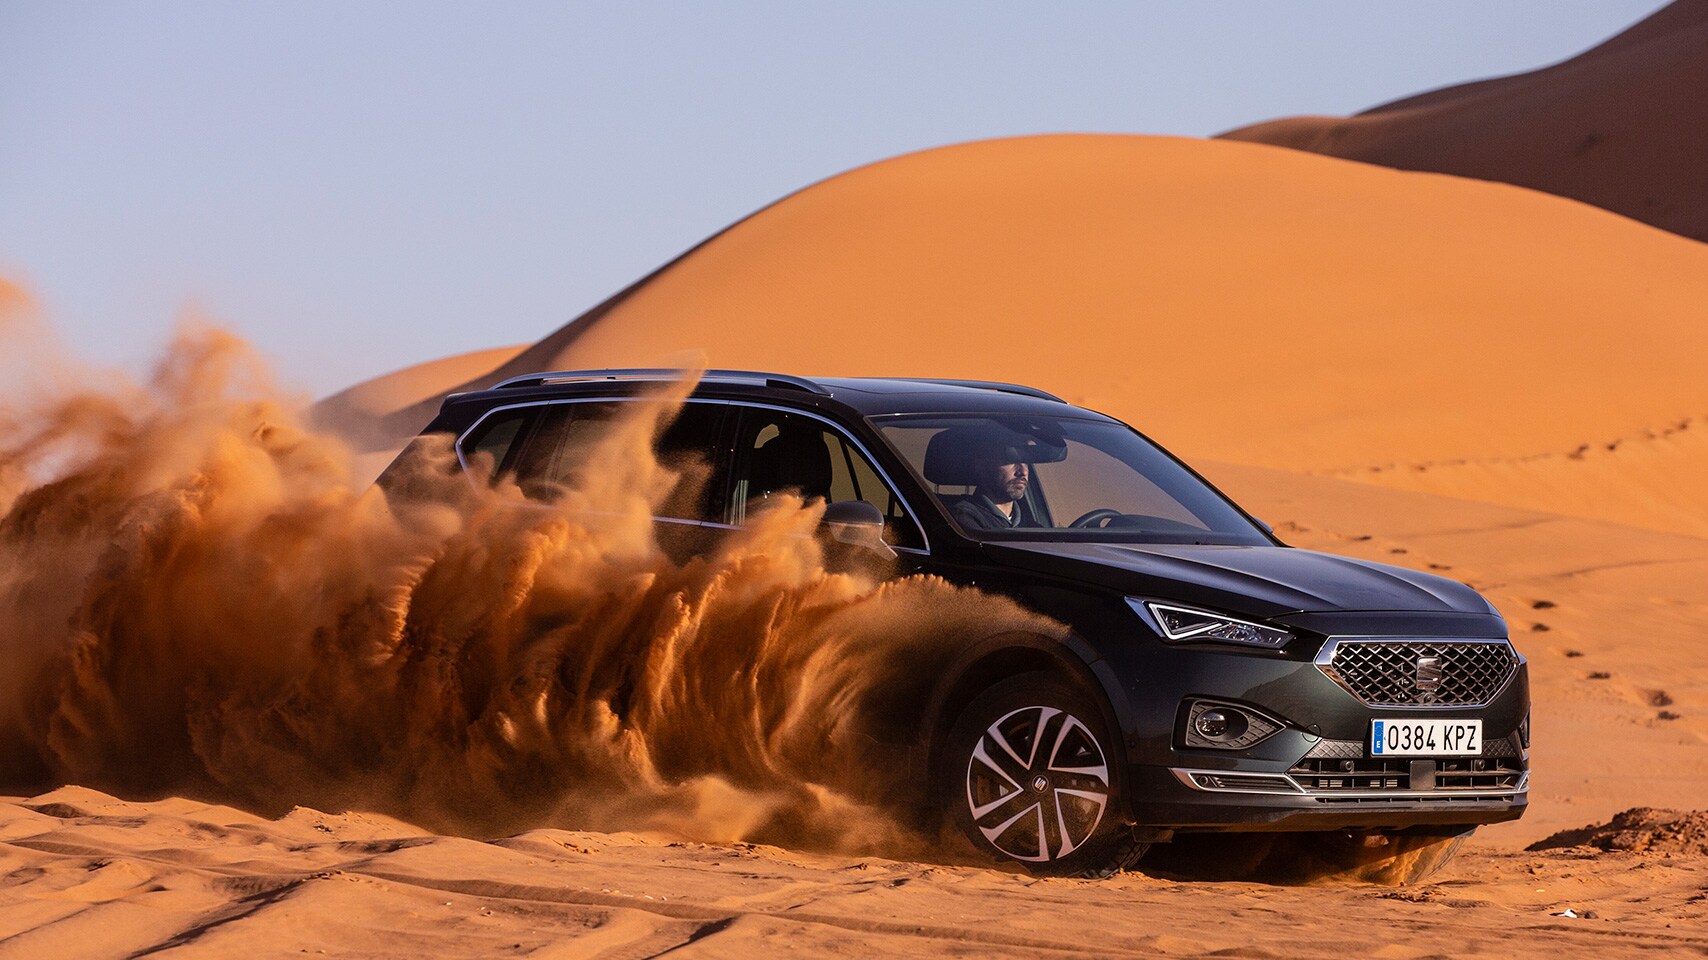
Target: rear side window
488,451
548,448
554,455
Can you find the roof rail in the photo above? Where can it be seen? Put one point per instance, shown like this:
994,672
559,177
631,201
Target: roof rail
664,373
998,385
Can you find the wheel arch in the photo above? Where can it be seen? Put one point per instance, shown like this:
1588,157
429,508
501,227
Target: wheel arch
999,657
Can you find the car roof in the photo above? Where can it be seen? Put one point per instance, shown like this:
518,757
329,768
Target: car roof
867,396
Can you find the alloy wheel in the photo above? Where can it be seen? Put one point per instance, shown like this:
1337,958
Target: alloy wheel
1037,784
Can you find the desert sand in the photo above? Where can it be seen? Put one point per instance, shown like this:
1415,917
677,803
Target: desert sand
91,876
1623,126
1471,378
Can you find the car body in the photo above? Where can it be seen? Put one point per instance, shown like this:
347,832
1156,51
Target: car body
1230,682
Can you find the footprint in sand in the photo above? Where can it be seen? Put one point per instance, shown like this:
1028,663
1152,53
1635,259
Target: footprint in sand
1658,698
1542,604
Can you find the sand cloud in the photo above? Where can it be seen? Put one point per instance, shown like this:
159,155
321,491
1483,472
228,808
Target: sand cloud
196,596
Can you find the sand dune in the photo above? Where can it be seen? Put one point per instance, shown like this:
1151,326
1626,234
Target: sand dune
361,414
357,411
1623,126
1237,302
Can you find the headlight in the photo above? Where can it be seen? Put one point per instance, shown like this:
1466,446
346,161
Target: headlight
1186,625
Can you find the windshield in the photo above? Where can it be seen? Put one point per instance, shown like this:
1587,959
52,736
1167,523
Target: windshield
1046,478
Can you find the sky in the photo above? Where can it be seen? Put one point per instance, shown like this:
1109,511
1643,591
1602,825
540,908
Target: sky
356,186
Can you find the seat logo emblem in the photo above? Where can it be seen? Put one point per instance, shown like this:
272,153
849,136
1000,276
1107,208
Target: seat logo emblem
1427,678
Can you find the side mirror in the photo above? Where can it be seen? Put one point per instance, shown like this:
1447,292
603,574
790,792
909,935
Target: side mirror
857,523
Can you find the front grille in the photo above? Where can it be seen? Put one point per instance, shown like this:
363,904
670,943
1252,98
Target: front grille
1426,673
1456,773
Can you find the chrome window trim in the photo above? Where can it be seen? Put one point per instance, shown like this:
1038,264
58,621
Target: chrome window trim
1325,656
877,467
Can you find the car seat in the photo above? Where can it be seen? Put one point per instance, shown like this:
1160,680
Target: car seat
795,459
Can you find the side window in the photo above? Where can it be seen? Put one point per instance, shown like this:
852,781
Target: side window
899,528
695,448
488,449
553,456
778,452
550,448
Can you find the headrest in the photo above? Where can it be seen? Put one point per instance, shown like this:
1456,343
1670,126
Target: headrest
796,459
950,455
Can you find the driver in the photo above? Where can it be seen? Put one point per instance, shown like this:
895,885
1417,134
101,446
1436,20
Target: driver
995,501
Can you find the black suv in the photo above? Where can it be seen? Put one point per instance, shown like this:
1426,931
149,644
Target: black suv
1211,678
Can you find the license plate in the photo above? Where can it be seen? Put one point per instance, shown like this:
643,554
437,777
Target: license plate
1426,738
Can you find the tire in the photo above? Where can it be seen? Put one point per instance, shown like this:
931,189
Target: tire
1029,776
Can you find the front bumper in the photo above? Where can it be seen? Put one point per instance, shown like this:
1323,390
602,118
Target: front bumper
1317,772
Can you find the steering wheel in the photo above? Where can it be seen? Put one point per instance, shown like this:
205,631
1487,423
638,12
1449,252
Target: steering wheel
1096,518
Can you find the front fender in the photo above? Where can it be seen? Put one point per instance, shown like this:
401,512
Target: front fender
980,665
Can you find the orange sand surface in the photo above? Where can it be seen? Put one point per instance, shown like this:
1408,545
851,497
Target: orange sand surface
95,877
1623,126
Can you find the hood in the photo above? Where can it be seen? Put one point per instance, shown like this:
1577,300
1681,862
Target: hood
1246,580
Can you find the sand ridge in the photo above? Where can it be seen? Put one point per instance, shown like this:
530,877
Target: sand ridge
1623,126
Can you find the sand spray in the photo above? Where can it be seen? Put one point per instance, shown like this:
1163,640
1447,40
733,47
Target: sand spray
195,595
